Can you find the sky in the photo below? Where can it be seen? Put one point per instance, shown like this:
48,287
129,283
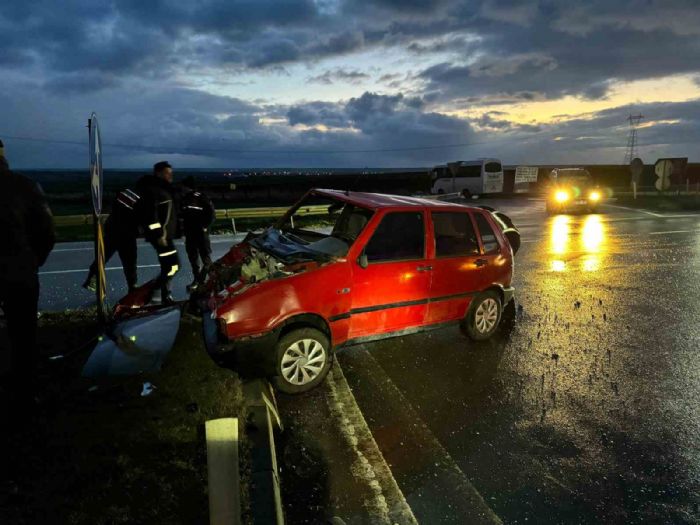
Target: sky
339,83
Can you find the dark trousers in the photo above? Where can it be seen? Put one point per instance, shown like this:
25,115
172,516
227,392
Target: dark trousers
124,243
198,249
169,265
19,299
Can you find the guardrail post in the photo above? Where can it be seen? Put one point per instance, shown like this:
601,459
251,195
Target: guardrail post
265,497
223,471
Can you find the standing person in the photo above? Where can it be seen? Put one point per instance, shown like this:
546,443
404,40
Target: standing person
121,231
158,216
26,239
198,214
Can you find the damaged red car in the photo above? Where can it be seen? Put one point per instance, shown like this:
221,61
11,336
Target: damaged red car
371,266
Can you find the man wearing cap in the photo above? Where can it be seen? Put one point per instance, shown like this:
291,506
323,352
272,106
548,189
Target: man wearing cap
158,210
26,239
197,216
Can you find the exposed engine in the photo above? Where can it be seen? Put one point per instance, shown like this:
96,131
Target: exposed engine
260,266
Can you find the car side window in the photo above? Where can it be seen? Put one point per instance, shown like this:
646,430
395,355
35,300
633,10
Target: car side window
399,237
454,234
488,237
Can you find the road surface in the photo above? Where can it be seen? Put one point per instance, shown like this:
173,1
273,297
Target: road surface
62,276
585,408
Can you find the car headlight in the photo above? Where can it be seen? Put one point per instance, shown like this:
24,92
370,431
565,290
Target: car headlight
594,196
561,196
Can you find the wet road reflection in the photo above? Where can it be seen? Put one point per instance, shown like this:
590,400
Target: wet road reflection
584,408
577,243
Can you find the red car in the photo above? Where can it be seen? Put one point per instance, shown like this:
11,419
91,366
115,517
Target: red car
382,265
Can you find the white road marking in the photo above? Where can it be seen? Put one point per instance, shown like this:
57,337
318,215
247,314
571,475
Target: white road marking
673,231
54,272
638,210
91,248
658,215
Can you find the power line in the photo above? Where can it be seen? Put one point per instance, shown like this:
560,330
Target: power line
243,151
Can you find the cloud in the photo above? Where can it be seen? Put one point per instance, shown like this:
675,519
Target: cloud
158,74
351,76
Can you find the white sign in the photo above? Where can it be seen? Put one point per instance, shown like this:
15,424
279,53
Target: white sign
493,182
525,174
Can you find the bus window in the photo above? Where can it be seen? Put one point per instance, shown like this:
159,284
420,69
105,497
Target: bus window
492,167
469,171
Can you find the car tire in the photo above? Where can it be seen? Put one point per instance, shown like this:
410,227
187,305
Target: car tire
303,358
483,317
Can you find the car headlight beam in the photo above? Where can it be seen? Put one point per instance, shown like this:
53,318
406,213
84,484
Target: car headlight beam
561,196
594,196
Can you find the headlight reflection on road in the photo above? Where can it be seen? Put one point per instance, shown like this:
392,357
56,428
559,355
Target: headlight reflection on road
591,244
592,235
559,241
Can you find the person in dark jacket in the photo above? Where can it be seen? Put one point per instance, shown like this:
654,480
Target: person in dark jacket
198,214
158,210
26,239
121,230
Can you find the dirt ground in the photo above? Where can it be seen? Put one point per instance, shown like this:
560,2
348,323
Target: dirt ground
97,452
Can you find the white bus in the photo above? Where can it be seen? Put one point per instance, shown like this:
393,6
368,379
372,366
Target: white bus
468,177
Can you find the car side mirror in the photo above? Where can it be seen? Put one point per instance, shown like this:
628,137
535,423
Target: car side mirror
362,261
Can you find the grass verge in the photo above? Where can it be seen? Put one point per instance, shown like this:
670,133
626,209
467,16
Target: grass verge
97,452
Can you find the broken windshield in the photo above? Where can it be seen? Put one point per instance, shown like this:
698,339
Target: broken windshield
324,225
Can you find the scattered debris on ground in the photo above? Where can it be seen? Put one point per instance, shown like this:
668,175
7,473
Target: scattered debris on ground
117,450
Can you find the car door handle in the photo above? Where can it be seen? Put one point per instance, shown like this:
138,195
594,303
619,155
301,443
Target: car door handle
481,262
424,268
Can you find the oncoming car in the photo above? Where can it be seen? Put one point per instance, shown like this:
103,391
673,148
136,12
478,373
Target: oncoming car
571,188
283,301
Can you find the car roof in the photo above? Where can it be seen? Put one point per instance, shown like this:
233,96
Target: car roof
381,200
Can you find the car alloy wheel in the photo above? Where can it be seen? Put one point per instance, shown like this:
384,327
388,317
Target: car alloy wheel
483,316
486,316
303,361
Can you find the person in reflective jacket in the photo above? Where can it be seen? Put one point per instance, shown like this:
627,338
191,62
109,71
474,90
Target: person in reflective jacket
158,210
120,234
26,239
198,214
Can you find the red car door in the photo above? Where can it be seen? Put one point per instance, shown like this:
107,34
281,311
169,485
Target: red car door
495,260
458,268
391,292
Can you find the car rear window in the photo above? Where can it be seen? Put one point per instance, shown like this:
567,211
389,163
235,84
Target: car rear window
488,237
454,235
399,237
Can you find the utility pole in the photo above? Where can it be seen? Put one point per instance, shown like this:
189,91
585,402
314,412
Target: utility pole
631,152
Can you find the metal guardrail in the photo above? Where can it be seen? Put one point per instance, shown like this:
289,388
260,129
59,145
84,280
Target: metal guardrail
234,213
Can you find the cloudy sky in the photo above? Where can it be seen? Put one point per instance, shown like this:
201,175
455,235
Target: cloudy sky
226,83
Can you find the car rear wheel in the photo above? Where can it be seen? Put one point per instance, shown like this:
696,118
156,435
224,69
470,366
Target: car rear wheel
303,359
483,317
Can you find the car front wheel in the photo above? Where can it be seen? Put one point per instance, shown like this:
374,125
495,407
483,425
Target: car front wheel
483,317
303,358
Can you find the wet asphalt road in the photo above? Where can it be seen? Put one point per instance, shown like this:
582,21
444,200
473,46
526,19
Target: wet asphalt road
585,408
66,269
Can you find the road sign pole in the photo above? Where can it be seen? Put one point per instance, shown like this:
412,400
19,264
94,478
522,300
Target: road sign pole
634,190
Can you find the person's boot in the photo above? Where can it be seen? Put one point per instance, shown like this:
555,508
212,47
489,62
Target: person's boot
90,283
166,298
